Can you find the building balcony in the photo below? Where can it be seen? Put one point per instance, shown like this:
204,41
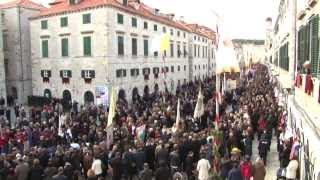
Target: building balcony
309,103
312,3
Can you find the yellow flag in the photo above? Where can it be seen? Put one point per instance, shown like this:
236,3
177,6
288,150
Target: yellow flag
112,107
164,42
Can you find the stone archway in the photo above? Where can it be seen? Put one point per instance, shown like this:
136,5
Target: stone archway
122,94
14,92
47,93
135,94
146,90
66,96
88,97
156,87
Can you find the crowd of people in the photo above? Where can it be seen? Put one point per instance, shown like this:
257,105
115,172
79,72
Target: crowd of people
50,144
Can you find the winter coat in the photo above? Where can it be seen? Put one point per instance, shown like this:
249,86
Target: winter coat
246,169
235,174
146,174
291,170
203,168
162,173
259,171
36,172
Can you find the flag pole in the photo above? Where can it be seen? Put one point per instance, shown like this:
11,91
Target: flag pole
217,99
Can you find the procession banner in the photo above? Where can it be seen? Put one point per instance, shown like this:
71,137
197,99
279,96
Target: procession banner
102,96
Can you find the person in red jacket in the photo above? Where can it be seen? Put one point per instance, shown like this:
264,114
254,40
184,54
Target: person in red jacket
262,123
309,83
246,168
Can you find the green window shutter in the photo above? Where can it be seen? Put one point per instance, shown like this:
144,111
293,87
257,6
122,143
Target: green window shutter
45,48
145,47
87,46
120,19
86,18
134,22
64,21
307,42
44,24
134,47
120,45
315,45
64,47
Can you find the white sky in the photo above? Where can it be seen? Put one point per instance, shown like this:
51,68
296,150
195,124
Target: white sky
242,18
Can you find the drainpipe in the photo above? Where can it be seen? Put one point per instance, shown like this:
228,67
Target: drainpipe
21,78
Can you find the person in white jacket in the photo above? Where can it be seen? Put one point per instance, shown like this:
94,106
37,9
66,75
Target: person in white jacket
97,166
292,169
203,168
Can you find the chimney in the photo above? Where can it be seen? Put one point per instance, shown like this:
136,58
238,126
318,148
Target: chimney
181,18
171,16
156,11
125,2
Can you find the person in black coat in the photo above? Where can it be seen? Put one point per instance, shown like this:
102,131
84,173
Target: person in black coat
247,145
36,171
116,164
235,173
150,155
163,172
146,173
140,158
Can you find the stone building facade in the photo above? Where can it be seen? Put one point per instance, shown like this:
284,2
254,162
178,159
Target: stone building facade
2,69
80,45
16,35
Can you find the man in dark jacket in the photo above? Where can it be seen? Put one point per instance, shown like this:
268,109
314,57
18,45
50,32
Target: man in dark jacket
174,158
146,173
140,158
235,173
117,167
163,172
60,175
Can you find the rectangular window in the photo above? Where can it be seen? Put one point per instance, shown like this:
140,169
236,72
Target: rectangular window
184,51
64,47
178,68
199,51
120,45
171,50
145,25
134,22
134,46
64,21
120,19
178,51
155,54
202,51
195,51
145,47
87,46
155,27
172,68
86,18
184,67
171,32
45,48
184,35
178,33
44,24
164,29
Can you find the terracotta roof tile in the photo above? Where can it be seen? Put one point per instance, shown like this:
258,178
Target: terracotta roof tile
133,7
22,3
62,6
